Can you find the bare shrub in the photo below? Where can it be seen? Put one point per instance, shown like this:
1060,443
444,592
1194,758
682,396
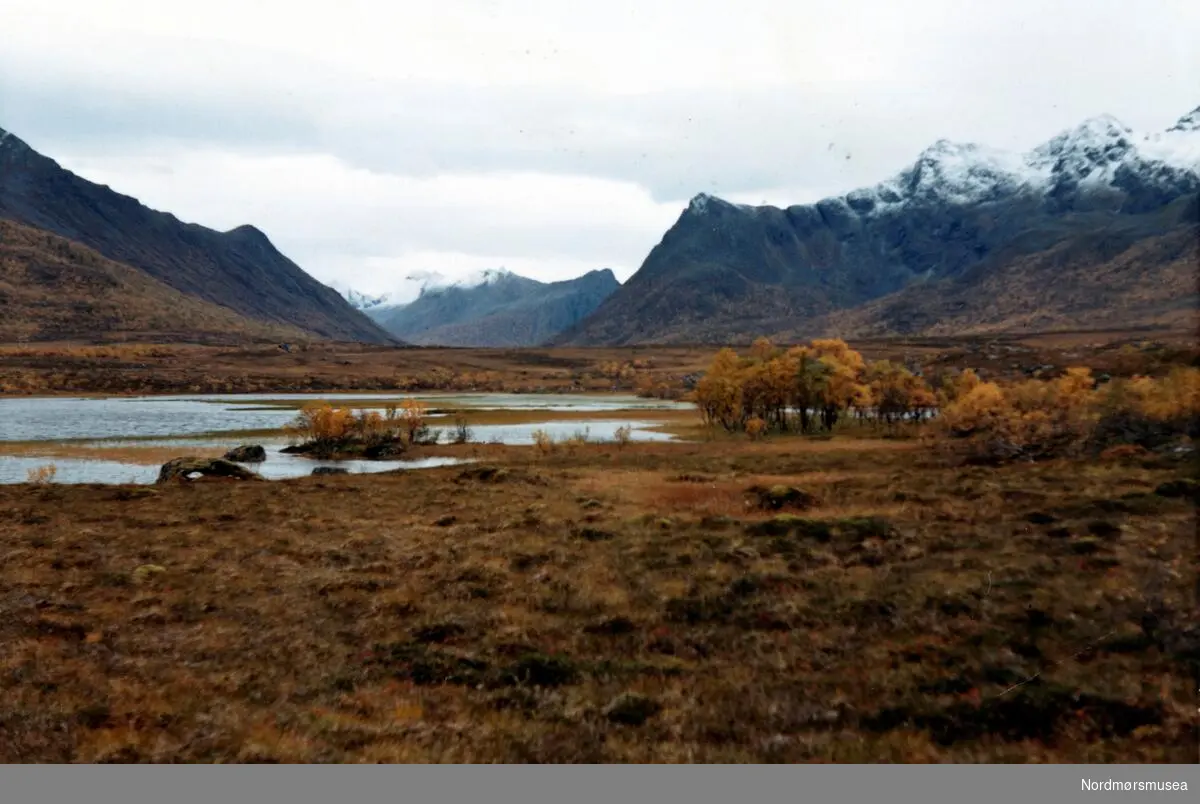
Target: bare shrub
42,475
623,435
462,432
543,441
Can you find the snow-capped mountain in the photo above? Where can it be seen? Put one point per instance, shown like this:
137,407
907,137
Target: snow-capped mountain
363,301
729,270
433,281
416,285
1190,122
1101,154
1096,153
496,308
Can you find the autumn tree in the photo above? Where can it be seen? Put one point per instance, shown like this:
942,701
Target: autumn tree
838,380
719,392
896,393
413,415
1150,412
808,385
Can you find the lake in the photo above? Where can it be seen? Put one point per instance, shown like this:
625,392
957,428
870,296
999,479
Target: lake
202,421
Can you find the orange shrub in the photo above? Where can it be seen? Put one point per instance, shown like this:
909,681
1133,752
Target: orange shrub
756,428
413,416
42,475
320,422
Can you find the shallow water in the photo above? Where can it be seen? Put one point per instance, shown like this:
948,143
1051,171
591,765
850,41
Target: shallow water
277,467
171,421
62,419
67,418
584,402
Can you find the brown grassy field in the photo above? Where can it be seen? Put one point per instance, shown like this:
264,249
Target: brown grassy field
138,368
597,604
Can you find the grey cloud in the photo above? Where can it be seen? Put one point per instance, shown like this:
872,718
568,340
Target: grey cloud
673,143
827,136
100,118
819,135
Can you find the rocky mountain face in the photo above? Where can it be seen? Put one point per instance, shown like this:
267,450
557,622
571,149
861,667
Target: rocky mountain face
961,214
239,270
500,310
1144,272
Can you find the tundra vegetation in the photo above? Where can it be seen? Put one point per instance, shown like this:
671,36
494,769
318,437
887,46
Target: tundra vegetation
850,559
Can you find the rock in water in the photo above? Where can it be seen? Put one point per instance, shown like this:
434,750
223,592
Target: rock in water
330,470
247,453
184,468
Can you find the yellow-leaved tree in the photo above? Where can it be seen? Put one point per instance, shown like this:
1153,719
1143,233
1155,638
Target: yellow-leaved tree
719,392
841,385
896,393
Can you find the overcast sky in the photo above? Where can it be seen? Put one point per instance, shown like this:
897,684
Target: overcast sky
373,140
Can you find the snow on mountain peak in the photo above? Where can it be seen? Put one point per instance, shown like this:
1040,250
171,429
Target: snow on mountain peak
702,202
431,281
1091,152
1093,145
1190,122
490,276
961,172
362,301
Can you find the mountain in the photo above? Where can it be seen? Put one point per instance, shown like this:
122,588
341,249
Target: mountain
954,222
1141,273
362,301
240,269
53,289
497,308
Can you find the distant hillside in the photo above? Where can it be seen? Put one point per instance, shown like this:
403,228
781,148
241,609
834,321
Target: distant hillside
53,289
964,222
1114,279
239,269
504,310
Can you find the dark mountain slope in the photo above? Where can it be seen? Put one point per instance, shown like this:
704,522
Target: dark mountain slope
727,272
1145,272
53,289
239,269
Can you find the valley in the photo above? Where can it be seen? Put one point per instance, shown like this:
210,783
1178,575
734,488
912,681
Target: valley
906,474
862,592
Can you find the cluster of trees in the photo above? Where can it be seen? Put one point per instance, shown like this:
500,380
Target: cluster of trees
812,387
1072,413
806,388
321,425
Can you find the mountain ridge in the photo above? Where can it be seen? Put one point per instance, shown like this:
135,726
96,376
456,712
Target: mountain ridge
54,289
504,309
731,271
239,269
